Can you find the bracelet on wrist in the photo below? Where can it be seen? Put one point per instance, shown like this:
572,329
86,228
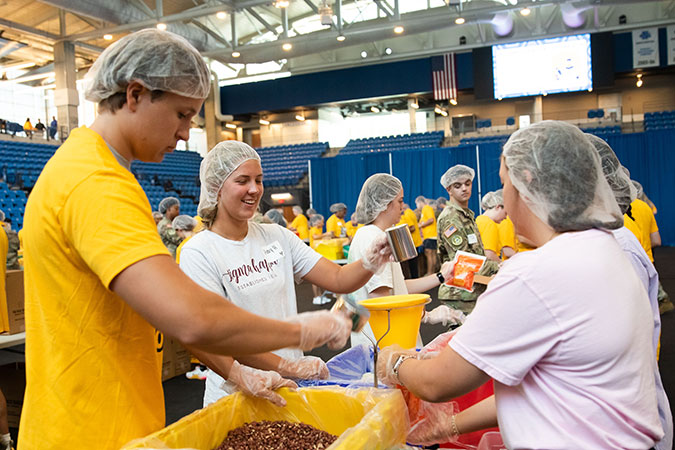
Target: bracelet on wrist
453,425
440,277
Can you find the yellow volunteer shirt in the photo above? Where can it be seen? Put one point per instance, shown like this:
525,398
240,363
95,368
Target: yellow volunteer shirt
336,225
411,219
647,222
314,231
507,234
180,248
352,229
302,226
428,232
93,368
489,234
634,228
200,224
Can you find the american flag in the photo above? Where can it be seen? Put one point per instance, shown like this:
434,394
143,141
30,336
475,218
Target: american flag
444,79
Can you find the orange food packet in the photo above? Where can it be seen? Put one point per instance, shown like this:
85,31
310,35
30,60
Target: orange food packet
466,266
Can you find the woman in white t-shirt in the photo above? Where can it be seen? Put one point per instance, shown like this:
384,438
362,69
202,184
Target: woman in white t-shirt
379,207
254,265
565,331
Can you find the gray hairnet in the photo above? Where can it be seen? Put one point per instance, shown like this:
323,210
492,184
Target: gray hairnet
167,203
311,212
2,216
184,222
314,219
492,200
376,194
616,175
275,216
420,198
455,174
638,187
558,174
159,60
335,207
217,166
297,210
157,215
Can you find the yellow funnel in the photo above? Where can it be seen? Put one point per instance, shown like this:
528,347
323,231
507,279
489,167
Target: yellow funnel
405,313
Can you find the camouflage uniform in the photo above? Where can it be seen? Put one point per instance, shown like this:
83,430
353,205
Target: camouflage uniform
169,236
13,250
457,230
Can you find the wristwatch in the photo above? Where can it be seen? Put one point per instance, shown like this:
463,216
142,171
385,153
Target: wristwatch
398,363
440,276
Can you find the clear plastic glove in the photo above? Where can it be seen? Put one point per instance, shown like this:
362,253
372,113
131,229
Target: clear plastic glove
385,363
447,269
432,423
322,327
445,315
377,254
433,348
259,383
305,368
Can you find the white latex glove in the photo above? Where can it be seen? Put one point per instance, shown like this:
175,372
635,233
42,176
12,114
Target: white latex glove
377,254
447,269
385,363
445,315
322,327
259,383
306,368
433,424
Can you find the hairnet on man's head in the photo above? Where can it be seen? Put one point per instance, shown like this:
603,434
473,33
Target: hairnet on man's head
377,192
315,219
558,175
335,207
167,203
297,210
420,199
184,222
638,187
275,216
458,173
159,60
492,200
616,175
217,166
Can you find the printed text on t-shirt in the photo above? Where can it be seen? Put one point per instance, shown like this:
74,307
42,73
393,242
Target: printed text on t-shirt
247,269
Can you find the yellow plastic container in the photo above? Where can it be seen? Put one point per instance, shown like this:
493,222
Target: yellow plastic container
331,248
405,313
369,419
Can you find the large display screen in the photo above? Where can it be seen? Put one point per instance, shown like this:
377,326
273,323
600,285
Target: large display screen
542,66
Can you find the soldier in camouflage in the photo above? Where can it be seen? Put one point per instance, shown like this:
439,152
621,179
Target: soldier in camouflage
457,230
12,243
170,208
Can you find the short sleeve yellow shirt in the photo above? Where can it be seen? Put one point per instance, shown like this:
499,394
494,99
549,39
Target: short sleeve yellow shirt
428,232
644,216
352,229
301,225
489,234
410,218
507,234
336,225
93,365
314,231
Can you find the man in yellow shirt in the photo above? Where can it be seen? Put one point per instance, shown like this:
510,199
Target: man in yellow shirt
336,222
493,204
352,227
300,225
99,281
409,218
427,225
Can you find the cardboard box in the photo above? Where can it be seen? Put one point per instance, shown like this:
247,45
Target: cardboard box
13,385
12,308
175,359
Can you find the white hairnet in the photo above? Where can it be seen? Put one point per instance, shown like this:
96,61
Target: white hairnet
376,194
638,187
335,207
616,175
455,174
159,60
492,200
167,203
2,216
315,219
217,166
184,222
311,212
557,172
297,210
275,216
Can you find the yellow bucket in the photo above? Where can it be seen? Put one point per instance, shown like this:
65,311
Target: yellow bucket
405,314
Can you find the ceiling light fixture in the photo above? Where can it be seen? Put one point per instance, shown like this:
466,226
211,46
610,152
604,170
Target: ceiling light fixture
161,26
236,54
341,37
453,101
638,83
388,51
460,20
437,109
221,15
415,104
525,11
262,121
231,126
364,54
375,109
300,117
287,46
398,29
281,3
108,37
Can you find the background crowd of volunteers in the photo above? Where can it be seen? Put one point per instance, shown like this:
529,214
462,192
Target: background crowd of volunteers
101,278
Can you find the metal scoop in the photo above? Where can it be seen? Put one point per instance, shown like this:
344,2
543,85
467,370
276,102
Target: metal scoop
357,313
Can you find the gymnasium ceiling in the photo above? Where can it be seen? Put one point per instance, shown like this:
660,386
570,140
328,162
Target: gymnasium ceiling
244,38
